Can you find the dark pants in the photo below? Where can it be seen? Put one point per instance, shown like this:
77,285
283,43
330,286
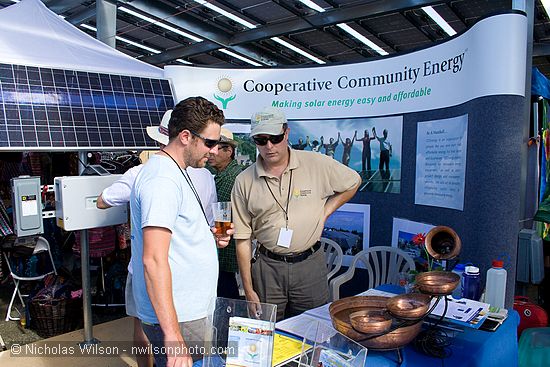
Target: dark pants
294,288
227,285
384,160
365,157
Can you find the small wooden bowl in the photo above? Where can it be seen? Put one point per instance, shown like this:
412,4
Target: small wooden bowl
370,322
409,306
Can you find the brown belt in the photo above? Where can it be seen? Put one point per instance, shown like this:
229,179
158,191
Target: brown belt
293,258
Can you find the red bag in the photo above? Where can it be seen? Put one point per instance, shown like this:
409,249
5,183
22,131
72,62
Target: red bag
530,314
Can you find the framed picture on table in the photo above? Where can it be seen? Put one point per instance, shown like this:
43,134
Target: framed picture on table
349,227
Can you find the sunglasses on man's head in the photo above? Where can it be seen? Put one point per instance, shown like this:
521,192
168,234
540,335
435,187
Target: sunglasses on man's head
210,143
274,139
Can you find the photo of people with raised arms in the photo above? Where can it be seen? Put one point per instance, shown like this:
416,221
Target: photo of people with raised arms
376,156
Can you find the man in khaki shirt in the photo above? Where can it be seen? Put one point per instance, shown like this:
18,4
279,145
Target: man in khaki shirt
282,201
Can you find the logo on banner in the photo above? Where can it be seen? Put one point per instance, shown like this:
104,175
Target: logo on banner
225,87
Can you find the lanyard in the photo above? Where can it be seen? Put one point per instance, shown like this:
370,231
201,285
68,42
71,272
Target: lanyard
287,199
190,183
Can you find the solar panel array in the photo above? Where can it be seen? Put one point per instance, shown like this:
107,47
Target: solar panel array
76,110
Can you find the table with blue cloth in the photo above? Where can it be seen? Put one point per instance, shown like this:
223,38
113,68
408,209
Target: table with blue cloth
470,348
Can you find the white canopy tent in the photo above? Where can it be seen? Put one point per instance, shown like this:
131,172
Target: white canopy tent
31,34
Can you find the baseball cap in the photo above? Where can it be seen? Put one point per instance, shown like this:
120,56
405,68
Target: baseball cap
226,136
268,121
160,133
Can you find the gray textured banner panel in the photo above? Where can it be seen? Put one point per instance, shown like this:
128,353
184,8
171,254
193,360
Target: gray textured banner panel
488,226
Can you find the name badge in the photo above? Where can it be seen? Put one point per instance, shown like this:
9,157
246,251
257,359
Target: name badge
285,237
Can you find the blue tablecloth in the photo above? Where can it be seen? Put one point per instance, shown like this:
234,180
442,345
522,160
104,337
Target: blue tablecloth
470,348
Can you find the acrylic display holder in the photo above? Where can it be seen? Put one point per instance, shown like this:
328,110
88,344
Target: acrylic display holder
241,334
324,346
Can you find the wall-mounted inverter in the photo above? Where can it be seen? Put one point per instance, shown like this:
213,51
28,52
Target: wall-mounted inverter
75,203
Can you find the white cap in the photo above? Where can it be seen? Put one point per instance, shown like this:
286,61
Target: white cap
160,133
268,121
472,270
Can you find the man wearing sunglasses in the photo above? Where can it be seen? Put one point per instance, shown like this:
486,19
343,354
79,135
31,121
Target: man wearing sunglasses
282,201
119,194
174,258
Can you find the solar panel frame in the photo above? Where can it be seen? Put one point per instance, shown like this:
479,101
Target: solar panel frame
70,110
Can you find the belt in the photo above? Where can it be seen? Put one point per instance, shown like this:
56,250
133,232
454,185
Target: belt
294,258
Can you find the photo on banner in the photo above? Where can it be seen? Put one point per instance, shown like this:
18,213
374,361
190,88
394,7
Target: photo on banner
403,233
370,146
246,153
349,227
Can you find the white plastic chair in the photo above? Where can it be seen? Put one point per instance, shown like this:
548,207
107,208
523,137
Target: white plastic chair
333,256
382,263
41,246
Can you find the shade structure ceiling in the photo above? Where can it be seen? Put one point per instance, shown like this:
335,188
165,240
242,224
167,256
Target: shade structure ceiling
286,33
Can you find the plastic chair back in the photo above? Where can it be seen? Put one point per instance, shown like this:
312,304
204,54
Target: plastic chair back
382,263
42,245
333,256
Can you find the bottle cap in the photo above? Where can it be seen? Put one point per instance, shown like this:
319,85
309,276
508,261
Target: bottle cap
498,263
472,270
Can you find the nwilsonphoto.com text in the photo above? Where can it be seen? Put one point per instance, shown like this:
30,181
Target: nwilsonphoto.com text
113,349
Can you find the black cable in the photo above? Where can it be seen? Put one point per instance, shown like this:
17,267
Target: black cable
434,342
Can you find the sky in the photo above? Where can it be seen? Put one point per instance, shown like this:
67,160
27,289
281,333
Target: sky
346,220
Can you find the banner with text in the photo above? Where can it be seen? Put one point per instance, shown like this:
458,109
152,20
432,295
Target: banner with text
488,59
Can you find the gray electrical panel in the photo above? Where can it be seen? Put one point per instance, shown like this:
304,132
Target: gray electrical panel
27,206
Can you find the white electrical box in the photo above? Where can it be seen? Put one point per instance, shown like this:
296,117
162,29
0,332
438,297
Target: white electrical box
27,206
75,203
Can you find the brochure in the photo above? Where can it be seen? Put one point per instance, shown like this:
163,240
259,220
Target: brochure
286,348
254,341
465,312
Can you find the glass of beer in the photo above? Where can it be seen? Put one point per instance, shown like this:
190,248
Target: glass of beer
222,217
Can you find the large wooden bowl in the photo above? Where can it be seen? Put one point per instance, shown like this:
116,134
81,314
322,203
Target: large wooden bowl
437,283
340,311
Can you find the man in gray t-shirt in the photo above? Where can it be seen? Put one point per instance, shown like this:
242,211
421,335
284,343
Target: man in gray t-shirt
175,262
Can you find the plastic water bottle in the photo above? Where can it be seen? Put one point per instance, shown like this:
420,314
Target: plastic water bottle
459,269
471,283
495,287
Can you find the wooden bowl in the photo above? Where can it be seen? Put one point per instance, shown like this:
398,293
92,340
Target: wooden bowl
410,306
370,322
437,283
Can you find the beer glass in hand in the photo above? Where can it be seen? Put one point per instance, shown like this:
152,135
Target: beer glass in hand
222,217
